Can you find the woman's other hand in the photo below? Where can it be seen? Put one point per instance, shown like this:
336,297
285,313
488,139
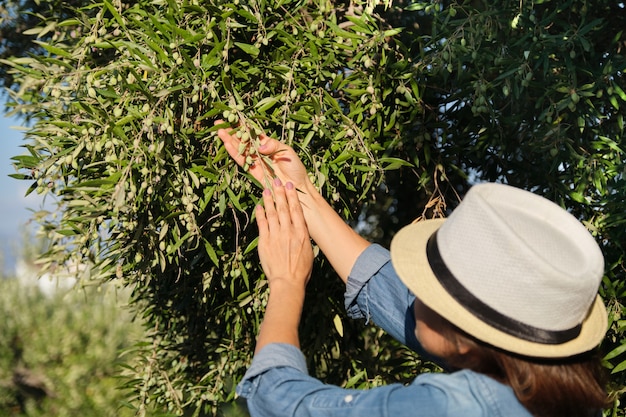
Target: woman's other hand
285,163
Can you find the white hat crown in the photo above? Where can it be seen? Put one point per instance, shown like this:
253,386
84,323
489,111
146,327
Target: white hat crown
530,265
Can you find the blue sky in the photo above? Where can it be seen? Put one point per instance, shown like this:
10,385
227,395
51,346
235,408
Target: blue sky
14,206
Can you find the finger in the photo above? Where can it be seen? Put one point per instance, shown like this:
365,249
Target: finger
270,211
280,200
232,146
295,208
261,222
269,145
264,244
231,143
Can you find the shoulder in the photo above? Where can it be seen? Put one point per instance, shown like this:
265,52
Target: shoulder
473,394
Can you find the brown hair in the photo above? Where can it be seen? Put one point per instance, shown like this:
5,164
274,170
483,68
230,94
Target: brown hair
574,386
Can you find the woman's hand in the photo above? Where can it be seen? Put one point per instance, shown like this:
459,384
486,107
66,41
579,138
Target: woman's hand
284,245
287,259
285,163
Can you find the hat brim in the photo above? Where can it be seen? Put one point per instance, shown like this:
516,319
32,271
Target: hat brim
409,259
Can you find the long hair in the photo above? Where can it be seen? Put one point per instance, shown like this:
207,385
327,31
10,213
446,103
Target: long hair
574,386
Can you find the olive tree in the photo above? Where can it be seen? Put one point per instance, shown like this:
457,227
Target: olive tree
394,110
533,95
124,102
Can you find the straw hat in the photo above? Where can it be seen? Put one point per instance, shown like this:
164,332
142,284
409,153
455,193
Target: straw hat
510,268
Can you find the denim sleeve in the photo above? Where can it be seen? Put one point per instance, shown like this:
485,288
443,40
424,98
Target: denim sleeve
274,355
276,385
374,292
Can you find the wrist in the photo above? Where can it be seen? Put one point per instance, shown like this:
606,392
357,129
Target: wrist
286,288
305,195
310,198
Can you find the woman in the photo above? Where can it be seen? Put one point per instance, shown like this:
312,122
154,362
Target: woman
504,292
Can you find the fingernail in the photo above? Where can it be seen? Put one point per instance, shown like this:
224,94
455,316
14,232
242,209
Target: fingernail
267,191
289,185
277,182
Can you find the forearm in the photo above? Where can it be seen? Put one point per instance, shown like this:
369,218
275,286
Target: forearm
282,316
336,239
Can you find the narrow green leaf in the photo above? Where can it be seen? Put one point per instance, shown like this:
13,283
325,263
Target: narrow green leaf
55,50
249,49
26,161
619,91
234,199
266,103
67,232
21,176
69,22
251,246
118,18
247,15
619,368
394,163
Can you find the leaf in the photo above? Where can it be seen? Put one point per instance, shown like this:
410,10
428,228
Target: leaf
107,92
301,117
21,176
245,300
194,178
32,31
394,163
358,376
361,23
392,32
344,33
249,49
246,14
363,168
615,352
70,22
338,324
163,231
234,199
266,103
118,18
344,156
577,196
222,204
26,161
251,246
619,91
97,183
619,368
55,50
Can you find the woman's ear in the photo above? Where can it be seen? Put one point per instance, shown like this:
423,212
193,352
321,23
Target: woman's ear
462,348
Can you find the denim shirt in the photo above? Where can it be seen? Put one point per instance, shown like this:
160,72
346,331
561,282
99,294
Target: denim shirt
277,383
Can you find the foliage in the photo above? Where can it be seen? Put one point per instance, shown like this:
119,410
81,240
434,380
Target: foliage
17,20
533,95
530,93
70,343
146,194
